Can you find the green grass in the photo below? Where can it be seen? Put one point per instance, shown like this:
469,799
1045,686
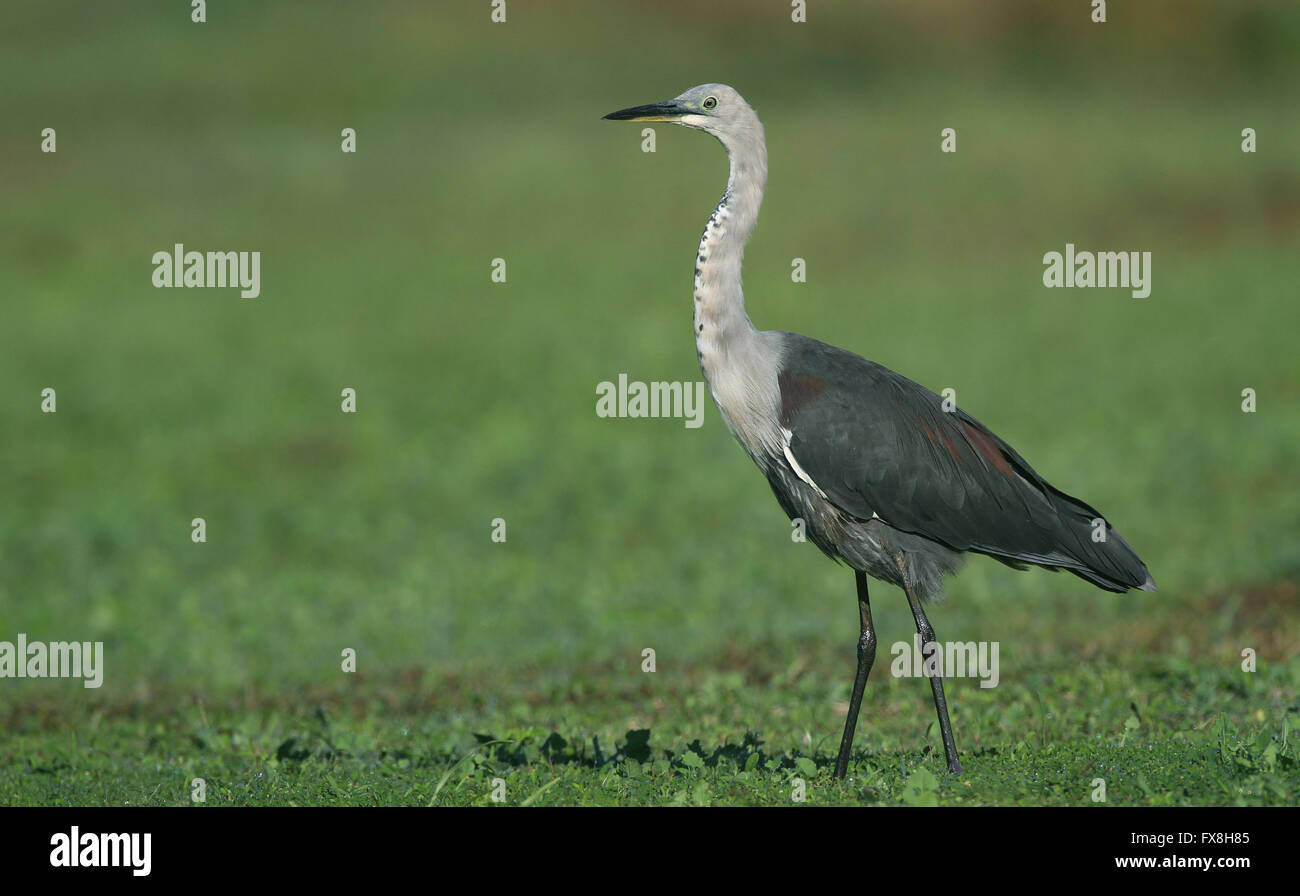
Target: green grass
1155,732
476,401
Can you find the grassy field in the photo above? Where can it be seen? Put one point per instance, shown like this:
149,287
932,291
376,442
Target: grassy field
521,660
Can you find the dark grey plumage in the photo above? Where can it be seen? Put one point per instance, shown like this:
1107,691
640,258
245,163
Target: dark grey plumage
936,482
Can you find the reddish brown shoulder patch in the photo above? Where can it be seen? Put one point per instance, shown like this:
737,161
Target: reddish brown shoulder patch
987,447
797,391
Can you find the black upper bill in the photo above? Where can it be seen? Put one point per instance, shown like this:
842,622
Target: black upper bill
652,112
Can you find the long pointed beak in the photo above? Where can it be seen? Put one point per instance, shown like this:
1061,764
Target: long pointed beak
669,111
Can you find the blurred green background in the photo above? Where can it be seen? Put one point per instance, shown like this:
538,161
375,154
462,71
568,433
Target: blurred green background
476,400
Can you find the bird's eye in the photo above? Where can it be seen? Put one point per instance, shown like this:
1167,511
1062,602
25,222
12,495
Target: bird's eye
710,102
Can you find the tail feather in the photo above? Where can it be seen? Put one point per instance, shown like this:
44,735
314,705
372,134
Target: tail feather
1100,554
1093,552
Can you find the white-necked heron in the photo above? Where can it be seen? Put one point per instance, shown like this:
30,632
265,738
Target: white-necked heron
884,477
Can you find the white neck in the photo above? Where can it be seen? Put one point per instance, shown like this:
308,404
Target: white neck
720,318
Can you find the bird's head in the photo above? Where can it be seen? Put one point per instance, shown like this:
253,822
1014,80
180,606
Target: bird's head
715,108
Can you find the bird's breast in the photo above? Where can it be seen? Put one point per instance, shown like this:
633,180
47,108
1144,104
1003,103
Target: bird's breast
742,380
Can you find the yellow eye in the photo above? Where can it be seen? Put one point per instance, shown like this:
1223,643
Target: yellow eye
710,102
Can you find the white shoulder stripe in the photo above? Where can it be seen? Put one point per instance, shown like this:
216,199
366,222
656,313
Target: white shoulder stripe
786,436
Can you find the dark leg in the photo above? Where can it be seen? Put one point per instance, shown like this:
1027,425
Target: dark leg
936,682
866,656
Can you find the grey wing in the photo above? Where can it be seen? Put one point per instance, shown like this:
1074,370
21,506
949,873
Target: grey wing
877,443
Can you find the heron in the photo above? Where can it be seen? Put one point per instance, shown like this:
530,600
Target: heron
887,478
